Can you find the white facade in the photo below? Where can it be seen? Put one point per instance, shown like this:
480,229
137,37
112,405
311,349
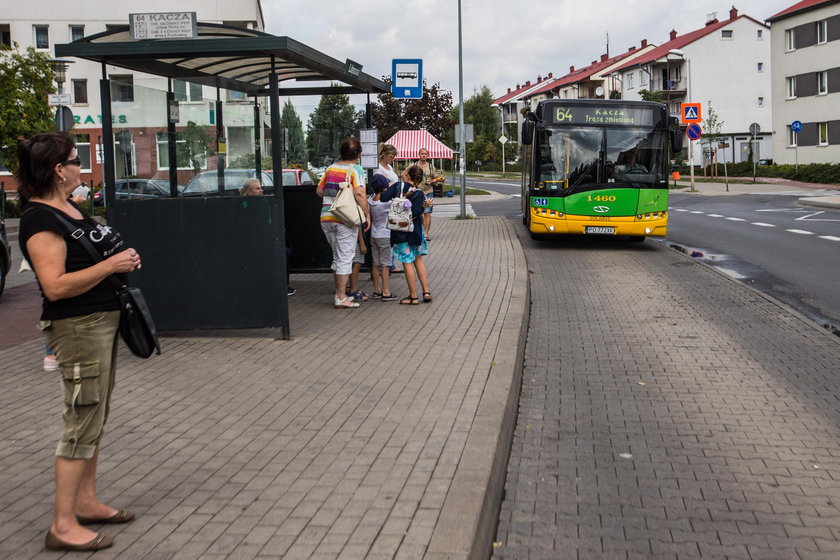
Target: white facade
727,69
802,53
49,22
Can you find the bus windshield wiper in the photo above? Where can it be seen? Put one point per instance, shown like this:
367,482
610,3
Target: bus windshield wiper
627,178
584,173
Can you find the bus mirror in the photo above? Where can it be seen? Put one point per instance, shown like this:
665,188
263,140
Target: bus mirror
676,141
527,132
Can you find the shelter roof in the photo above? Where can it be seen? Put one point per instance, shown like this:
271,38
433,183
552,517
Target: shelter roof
224,56
409,142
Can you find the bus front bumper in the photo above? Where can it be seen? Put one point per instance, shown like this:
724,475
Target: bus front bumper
652,224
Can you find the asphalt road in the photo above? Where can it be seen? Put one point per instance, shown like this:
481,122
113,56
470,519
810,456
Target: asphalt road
766,240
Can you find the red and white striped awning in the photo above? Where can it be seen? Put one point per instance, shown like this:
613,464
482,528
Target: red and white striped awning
409,142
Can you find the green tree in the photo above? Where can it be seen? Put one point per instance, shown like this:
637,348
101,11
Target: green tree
486,121
26,78
432,113
296,150
648,95
193,149
712,126
333,120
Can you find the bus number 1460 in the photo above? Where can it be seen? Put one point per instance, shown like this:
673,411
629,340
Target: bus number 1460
600,198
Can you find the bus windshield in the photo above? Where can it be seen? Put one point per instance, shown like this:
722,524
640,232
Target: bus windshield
574,158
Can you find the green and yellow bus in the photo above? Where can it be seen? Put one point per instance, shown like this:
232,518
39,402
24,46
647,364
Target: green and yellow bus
597,167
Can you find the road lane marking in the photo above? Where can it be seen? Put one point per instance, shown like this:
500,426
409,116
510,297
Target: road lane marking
680,209
696,212
737,219
762,224
715,215
830,237
800,231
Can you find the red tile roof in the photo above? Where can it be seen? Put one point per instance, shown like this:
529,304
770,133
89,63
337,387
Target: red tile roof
679,42
581,73
800,7
513,94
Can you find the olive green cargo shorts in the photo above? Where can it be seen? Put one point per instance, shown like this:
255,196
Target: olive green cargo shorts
86,348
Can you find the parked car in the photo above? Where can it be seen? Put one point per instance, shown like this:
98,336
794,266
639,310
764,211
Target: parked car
207,182
5,255
134,189
295,177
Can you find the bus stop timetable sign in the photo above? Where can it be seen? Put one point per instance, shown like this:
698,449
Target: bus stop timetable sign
163,25
407,78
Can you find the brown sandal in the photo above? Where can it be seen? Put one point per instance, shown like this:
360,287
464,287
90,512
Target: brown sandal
409,301
122,516
98,542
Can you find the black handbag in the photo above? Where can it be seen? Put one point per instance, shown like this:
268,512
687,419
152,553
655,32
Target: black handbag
137,328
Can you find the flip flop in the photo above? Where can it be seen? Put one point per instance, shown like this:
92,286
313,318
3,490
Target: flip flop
409,301
346,303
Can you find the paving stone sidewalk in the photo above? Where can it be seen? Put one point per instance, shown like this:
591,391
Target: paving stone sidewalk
372,433
668,411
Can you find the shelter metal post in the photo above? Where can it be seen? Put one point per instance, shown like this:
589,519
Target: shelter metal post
277,158
108,169
257,136
221,142
172,138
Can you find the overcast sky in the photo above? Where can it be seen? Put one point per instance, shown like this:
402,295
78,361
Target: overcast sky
503,44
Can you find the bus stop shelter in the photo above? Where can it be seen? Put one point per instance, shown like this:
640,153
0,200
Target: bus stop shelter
216,262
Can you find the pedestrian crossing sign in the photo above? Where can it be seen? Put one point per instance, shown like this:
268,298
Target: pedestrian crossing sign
690,113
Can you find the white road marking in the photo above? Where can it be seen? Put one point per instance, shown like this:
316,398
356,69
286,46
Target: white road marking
696,212
800,231
680,210
830,237
715,215
737,219
762,224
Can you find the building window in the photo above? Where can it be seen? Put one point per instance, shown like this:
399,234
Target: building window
122,87
760,66
761,102
83,150
823,131
791,87
758,34
822,31
726,34
790,39
80,96
42,36
187,91
77,32
822,83
237,95
792,137
5,35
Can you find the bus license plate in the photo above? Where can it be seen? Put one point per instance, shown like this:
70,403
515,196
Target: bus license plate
603,230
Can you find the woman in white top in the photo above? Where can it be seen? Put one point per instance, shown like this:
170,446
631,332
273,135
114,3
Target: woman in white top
387,153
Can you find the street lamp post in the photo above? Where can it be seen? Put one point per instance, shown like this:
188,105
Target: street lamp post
59,68
680,54
461,160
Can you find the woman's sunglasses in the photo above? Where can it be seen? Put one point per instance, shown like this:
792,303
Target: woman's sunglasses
74,161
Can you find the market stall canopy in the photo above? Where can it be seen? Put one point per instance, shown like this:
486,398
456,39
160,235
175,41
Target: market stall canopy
409,143
227,57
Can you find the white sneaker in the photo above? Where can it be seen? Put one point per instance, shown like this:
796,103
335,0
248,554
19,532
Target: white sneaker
50,364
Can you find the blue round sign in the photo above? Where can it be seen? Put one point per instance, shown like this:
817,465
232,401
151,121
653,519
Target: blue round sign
694,131
796,126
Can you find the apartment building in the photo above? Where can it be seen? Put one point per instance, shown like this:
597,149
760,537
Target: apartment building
805,56
726,65
138,100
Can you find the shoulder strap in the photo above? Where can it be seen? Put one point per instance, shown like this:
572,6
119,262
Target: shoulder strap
79,235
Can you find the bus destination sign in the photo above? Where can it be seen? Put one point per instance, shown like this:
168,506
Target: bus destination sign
623,116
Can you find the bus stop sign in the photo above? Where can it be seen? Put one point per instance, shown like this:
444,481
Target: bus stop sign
407,78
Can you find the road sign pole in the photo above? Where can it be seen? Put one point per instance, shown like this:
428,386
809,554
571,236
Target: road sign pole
691,162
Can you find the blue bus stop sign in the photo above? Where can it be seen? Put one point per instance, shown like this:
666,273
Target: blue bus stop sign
693,131
796,126
407,78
